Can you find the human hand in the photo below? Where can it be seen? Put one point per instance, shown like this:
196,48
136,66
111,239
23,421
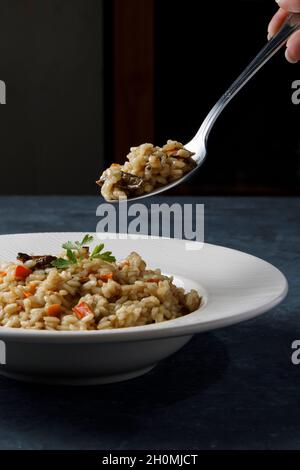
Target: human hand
292,52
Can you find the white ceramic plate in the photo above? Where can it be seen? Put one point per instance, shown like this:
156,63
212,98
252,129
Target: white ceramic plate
235,287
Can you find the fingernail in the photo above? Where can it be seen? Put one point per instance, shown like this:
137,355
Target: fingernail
278,1
269,36
289,58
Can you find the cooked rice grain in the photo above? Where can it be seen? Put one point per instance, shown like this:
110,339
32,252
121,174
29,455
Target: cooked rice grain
133,296
146,168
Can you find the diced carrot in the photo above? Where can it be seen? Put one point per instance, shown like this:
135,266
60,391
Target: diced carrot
54,310
32,288
106,277
82,310
153,280
22,272
27,294
2,273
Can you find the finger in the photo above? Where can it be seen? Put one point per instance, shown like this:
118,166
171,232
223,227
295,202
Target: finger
276,22
293,48
289,5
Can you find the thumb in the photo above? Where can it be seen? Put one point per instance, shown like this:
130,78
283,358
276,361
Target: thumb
290,5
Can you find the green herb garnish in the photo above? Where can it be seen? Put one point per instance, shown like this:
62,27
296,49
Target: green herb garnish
87,239
71,256
61,263
73,253
106,256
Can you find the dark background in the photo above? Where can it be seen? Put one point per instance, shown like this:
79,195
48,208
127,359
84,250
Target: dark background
68,103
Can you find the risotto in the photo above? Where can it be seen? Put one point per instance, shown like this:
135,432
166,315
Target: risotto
147,168
83,290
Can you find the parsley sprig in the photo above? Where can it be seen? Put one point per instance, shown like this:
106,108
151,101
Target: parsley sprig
105,256
87,239
73,253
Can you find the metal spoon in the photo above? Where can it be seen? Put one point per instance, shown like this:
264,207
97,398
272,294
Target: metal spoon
199,143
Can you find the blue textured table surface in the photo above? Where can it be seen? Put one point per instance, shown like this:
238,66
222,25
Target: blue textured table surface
233,388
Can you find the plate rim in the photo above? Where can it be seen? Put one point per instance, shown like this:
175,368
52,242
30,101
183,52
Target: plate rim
170,328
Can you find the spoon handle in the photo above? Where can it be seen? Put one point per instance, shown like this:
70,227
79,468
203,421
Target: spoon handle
291,24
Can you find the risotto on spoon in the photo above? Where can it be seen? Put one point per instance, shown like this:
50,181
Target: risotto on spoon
147,168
